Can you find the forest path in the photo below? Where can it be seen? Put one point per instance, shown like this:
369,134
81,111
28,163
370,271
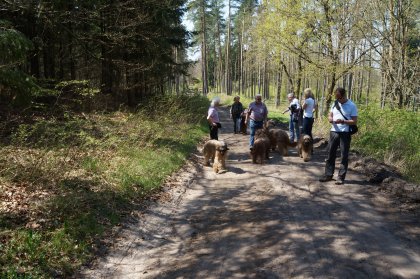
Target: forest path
264,221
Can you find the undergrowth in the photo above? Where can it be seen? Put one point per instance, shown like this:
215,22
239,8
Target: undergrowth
64,182
392,136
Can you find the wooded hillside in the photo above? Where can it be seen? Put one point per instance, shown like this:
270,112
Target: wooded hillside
127,49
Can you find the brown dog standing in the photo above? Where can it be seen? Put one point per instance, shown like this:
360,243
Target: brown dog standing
261,148
217,151
278,138
305,147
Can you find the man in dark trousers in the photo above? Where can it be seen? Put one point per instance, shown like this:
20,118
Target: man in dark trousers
342,114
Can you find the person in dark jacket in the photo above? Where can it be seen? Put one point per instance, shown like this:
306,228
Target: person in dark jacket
235,113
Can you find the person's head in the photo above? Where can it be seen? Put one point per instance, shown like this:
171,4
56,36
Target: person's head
340,94
258,98
215,102
236,99
290,96
307,93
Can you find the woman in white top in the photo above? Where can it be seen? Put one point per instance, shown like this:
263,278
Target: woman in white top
309,107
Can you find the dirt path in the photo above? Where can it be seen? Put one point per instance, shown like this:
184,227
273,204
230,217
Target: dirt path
270,221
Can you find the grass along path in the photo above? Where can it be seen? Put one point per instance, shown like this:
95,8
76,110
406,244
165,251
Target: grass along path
65,182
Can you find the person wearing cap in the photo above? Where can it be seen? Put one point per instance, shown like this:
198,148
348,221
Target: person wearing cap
257,115
213,118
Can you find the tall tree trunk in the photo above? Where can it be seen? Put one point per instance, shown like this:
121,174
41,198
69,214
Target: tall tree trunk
176,72
204,49
106,76
219,58
369,83
241,57
299,76
279,83
227,62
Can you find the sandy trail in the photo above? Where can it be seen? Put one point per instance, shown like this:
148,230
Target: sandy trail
269,221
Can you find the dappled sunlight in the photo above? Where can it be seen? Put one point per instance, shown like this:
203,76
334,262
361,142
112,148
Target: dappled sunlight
264,221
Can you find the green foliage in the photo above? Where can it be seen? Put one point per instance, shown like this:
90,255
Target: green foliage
391,136
95,169
79,87
14,47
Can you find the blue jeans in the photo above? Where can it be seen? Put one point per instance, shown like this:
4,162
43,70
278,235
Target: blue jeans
308,122
293,129
253,126
236,123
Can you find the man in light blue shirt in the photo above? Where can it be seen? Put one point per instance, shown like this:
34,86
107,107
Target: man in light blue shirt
339,135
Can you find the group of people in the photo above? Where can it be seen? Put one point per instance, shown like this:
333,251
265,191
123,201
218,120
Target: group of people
342,114
297,111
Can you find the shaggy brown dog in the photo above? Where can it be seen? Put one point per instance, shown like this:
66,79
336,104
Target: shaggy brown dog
217,151
261,148
305,147
278,138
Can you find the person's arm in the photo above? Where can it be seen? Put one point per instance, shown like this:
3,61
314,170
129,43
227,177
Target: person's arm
330,117
210,120
352,121
248,114
353,115
304,105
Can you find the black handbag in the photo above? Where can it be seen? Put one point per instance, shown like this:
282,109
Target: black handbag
353,129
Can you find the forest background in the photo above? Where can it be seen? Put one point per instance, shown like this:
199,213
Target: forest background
89,91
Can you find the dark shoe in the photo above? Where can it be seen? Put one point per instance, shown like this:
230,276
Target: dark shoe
325,178
339,181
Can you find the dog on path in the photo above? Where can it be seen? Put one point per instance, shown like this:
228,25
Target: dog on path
261,149
216,150
305,147
279,139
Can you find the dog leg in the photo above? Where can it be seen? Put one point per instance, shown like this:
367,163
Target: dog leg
216,167
223,164
285,153
206,161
